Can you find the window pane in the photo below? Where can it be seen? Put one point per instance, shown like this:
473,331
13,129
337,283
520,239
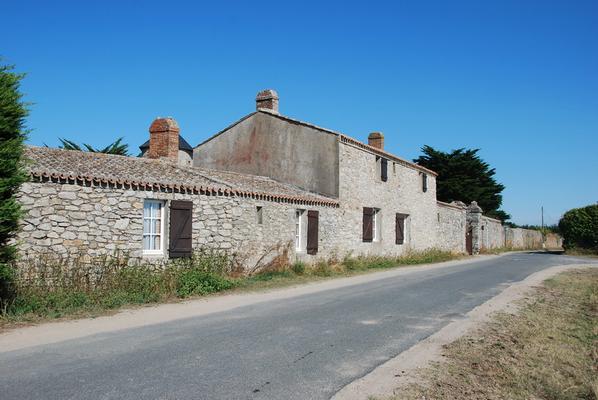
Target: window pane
156,242
146,209
157,226
146,243
146,226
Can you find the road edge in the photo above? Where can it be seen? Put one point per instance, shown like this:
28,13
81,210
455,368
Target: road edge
387,379
59,331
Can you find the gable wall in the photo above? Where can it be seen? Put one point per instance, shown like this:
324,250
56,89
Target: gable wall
268,146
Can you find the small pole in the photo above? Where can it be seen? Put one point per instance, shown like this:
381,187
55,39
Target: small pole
542,208
543,235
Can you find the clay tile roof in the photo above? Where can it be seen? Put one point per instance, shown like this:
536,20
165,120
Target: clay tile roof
152,173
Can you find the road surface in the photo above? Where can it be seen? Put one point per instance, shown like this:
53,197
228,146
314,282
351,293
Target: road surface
305,347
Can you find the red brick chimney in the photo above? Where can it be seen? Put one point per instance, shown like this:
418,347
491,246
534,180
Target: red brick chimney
376,139
164,139
267,100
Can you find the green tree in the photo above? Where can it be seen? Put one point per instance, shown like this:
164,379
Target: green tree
464,176
579,228
116,147
12,136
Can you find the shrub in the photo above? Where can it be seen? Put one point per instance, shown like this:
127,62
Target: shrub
322,268
196,282
579,228
298,268
352,263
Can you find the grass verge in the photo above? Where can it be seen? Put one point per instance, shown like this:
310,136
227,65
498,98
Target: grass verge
578,251
50,288
549,350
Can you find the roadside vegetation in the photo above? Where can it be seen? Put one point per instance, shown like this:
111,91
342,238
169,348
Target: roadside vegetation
579,228
549,350
12,136
48,287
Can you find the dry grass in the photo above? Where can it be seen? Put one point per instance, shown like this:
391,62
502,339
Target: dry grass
576,251
549,350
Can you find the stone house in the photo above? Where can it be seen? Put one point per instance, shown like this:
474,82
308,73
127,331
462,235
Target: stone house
266,188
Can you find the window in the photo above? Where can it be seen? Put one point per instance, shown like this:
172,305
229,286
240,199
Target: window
424,182
260,214
299,242
376,225
371,224
382,167
400,233
153,227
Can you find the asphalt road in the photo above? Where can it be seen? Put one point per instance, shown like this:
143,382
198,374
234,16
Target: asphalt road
306,347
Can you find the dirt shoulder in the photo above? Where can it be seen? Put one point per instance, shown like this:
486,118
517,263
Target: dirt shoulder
452,353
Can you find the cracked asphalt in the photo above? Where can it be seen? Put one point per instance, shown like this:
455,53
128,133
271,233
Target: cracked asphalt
304,347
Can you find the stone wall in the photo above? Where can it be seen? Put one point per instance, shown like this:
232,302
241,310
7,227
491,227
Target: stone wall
553,241
493,233
451,227
518,238
360,186
69,219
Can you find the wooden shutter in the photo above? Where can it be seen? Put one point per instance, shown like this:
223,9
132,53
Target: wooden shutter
384,169
368,216
180,229
424,182
312,231
400,228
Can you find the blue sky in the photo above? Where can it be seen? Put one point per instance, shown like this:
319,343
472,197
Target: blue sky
519,80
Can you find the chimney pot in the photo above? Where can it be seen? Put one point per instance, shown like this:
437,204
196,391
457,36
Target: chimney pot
267,100
164,139
376,139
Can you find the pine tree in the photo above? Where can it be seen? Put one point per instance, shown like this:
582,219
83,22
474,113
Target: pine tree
464,176
12,137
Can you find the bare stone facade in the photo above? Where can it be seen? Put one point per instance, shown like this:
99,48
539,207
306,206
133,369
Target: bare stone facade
69,219
254,191
360,185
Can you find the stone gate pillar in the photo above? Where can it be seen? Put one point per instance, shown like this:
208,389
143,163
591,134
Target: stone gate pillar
474,223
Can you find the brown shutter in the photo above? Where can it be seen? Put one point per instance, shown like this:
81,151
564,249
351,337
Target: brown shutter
180,229
384,169
368,215
312,231
400,229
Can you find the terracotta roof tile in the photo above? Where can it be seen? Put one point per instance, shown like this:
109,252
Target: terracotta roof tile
59,164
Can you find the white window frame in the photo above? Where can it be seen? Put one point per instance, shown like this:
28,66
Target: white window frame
376,226
299,242
162,234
